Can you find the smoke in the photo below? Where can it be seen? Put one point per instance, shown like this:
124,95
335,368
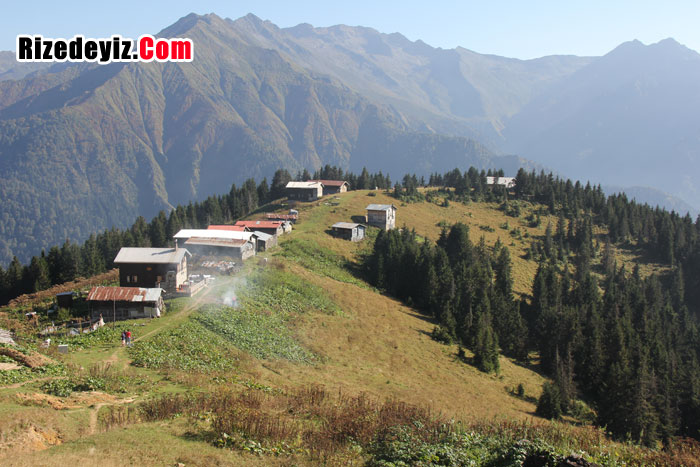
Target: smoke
230,297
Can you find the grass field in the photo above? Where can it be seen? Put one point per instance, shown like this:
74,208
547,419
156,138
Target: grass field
303,319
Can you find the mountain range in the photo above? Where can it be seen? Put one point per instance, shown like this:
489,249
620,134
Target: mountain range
85,147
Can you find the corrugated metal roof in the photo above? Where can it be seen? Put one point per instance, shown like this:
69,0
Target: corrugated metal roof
345,225
227,242
235,228
380,207
262,235
150,255
330,182
260,224
304,185
203,233
124,294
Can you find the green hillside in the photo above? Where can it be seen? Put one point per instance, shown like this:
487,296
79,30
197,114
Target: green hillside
313,365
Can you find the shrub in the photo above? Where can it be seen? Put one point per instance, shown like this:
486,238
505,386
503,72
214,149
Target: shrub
441,334
58,387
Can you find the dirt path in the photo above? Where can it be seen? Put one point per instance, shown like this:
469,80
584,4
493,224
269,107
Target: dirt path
93,417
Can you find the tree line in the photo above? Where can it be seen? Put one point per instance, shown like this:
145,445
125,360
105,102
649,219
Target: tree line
627,345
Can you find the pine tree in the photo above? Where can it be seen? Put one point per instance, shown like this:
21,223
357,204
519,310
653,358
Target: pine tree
549,403
485,345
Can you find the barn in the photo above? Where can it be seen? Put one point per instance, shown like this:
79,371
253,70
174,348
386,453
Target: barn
119,303
349,231
382,216
304,191
331,187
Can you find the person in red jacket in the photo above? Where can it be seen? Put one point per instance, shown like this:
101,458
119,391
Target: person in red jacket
128,338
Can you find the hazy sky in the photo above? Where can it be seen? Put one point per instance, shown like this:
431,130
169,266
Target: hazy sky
522,29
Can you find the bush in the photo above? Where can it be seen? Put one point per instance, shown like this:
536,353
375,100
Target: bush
58,387
441,334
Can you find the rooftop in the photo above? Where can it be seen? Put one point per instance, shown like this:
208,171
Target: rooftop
226,242
236,228
304,185
259,224
329,182
124,294
263,236
346,225
203,233
128,255
380,207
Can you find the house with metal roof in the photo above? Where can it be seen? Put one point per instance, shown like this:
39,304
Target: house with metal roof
331,187
152,267
382,216
265,240
235,244
119,303
304,191
349,231
269,227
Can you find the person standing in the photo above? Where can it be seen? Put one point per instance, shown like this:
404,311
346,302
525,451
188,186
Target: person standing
123,338
128,338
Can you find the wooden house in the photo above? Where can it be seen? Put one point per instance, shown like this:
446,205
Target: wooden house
233,248
304,191
265,241
331,187
152,267
119,303
235,244
382,216
349,231
269,227
65,299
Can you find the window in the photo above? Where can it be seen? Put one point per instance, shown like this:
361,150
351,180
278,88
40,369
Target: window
128,279
136,278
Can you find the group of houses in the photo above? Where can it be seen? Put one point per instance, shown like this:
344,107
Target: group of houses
145,274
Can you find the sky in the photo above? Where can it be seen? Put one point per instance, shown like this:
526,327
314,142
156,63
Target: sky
521,29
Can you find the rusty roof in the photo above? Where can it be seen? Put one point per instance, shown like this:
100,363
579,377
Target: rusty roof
123,294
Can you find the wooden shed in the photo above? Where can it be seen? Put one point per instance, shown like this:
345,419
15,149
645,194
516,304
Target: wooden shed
119,303
382,216
349,231
304,191
265,241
